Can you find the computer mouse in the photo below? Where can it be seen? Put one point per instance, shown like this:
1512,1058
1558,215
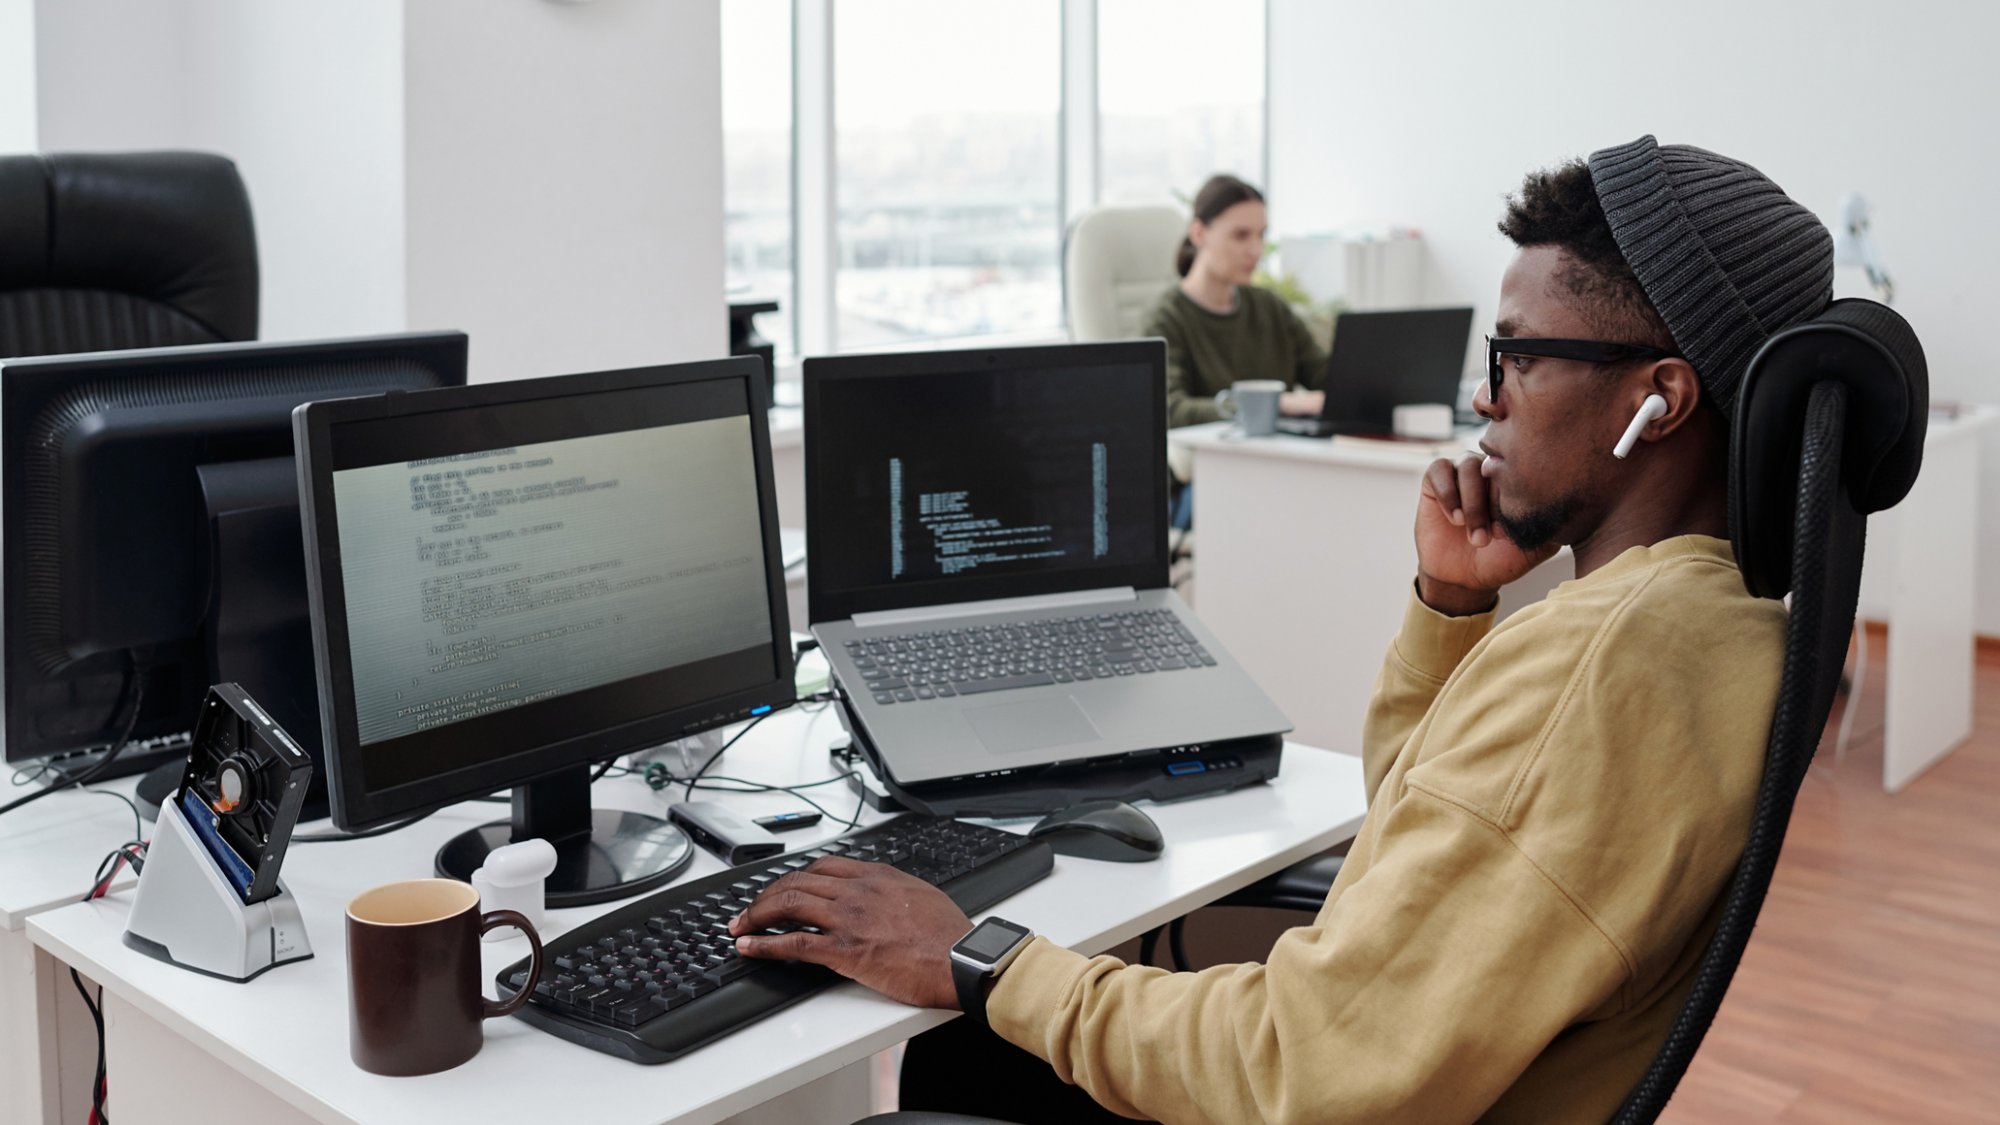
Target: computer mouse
1110,830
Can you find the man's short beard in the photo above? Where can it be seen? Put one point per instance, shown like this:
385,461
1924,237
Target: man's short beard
1533,529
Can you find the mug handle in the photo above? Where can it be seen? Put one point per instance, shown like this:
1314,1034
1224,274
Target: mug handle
1225,403
493,920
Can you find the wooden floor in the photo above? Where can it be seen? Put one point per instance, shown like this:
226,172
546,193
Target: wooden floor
1871,990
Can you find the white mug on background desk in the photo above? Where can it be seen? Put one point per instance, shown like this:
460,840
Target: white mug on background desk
1254,402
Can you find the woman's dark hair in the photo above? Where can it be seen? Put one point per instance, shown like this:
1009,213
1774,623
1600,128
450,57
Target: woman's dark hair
1219,194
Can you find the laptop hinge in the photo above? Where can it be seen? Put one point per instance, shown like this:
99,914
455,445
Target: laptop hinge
1110,595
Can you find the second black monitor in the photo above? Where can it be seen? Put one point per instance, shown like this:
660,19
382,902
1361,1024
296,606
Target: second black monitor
513,581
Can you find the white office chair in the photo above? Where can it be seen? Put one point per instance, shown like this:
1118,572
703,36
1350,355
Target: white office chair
1116,263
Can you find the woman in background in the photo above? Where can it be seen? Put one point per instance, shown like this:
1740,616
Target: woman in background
1219,328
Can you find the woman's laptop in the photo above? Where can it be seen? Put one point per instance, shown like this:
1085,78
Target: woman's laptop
1382,360
987,561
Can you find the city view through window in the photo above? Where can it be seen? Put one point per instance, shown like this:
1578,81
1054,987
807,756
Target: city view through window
948,137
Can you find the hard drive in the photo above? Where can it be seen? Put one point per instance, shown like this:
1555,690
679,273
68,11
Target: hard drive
244,784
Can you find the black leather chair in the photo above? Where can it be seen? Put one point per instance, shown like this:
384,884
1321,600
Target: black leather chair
1829,426
104,251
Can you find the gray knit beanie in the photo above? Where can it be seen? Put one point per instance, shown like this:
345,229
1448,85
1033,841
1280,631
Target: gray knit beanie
1722,252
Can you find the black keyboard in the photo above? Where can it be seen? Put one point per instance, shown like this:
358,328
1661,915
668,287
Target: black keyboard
942,663
659,977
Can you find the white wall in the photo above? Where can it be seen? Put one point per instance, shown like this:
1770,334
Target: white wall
1429,114
546,177
305,98
17,76
565,181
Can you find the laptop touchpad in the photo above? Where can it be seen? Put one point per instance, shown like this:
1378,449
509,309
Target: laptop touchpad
1031,725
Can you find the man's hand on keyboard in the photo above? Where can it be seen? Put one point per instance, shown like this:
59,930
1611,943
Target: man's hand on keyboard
891,931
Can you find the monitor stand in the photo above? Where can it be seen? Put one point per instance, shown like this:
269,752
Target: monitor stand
601,854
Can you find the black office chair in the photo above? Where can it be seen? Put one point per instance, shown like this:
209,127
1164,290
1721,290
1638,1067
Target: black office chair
104,251
1829,426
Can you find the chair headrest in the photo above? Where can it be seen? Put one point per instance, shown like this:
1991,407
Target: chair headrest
1875,355
170,227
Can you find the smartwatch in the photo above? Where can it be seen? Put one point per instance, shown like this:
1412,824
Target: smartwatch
982,955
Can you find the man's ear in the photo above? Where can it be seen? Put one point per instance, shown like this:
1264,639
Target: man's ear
1675,381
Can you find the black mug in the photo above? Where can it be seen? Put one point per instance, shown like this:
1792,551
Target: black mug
414,1005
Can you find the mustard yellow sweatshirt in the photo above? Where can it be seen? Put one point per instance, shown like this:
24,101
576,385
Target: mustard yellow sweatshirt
1555,806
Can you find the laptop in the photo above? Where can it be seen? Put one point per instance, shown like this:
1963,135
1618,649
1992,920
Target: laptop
988,536
1382,360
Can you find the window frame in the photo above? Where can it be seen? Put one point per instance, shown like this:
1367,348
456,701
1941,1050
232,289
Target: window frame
811,304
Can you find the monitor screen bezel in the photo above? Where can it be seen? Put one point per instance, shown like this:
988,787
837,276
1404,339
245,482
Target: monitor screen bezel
356,806
822,508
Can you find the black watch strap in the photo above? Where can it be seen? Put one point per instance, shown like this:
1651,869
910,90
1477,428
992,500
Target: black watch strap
982,954
970,982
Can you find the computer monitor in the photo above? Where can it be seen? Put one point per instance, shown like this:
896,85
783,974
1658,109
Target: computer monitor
149,536
513,581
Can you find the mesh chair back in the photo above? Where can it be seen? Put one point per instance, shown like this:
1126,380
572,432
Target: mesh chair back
1829,426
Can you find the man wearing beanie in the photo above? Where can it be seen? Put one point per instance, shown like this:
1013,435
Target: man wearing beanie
1556,801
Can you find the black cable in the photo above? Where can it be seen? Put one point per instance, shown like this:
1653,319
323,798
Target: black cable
107,869
135,677
96,1017
713,758
138,822
384,830
759,787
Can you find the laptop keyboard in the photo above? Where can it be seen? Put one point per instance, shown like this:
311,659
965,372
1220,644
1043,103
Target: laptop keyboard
969,660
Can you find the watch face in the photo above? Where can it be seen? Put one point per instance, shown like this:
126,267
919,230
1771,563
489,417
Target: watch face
990,940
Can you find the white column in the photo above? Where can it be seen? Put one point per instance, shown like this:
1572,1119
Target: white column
17,76
564,182
1079,108
815,199
306,98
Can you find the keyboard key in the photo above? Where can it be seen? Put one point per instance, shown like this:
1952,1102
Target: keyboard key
1003,683
732,969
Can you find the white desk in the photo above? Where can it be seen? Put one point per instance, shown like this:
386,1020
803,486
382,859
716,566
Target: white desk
1921,577
276,1049
1304,553
48,851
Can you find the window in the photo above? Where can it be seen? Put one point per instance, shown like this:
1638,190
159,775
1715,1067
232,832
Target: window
897,171
948,186
1180,95
757,159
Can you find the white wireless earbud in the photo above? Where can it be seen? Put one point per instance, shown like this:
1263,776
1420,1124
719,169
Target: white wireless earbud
1652,408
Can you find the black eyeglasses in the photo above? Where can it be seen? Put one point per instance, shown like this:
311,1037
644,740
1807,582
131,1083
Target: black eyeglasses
1590,351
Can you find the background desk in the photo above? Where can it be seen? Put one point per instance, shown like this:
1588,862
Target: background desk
276,1049
1920,576
1304,554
